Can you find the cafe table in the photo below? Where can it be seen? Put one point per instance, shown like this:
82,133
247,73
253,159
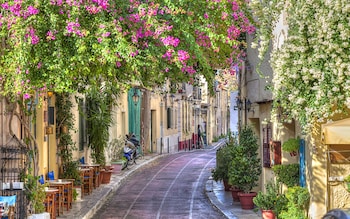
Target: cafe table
50,201
96,174
65,195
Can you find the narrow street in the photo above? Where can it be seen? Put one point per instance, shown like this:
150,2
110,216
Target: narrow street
171,187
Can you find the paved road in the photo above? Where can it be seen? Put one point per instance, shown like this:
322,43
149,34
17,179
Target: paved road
171,187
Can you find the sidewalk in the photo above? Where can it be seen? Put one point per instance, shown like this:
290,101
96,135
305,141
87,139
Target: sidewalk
89,205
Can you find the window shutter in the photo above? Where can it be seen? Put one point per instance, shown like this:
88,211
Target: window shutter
266,146
266,155
276,150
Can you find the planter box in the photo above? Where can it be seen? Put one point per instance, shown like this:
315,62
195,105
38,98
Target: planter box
106,176
117,166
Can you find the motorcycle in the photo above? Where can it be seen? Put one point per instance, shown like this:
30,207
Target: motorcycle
131,150
132,138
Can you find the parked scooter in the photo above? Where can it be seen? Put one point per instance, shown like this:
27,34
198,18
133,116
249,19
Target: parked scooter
131,150
132,138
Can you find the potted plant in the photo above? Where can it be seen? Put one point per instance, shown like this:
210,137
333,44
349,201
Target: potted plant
223,159
287,174
36,196
291,146
297,203
272,202
245,168
99,119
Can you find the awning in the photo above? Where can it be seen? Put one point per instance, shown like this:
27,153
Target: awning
337,132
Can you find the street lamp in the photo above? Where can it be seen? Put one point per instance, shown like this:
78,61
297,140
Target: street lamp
172,97
248,105
238,104
135,97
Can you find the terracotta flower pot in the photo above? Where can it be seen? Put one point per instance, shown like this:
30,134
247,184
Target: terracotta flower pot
117,167
246,200
106,177
268,214
227,186
234,192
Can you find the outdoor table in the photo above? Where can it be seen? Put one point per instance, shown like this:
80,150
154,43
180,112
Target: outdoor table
96,173
65,188
50,201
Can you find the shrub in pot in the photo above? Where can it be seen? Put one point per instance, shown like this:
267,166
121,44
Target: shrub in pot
223,160
291,145
245,168
271,202
298,199
287,174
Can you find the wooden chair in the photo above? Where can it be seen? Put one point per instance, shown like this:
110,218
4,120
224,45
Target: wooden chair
88,181
50,202
51,175
59,198
97,173
7,205
69,193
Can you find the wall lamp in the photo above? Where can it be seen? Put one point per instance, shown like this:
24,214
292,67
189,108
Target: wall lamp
172,99
238,104
135,96
248,105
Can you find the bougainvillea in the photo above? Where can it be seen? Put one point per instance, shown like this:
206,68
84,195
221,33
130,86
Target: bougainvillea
67,45
312,68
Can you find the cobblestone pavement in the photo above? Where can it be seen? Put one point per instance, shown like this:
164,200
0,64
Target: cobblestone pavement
88,207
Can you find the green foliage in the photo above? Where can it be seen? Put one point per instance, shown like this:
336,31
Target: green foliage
245,167
287,174
347,178
320,92
35,193
223,161
272,199
291,145
63,46
75,194
99,118
298,203
71,171
66,146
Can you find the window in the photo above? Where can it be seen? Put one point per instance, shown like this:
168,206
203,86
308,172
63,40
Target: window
169,118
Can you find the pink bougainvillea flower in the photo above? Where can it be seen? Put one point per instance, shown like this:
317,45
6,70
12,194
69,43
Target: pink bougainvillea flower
183,55
26,96
170,41
168,54
106,34
32,10
50,35
206,16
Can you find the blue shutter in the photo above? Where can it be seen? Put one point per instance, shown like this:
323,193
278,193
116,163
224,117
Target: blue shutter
302,180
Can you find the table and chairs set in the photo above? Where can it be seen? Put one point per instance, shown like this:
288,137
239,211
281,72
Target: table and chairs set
59,193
